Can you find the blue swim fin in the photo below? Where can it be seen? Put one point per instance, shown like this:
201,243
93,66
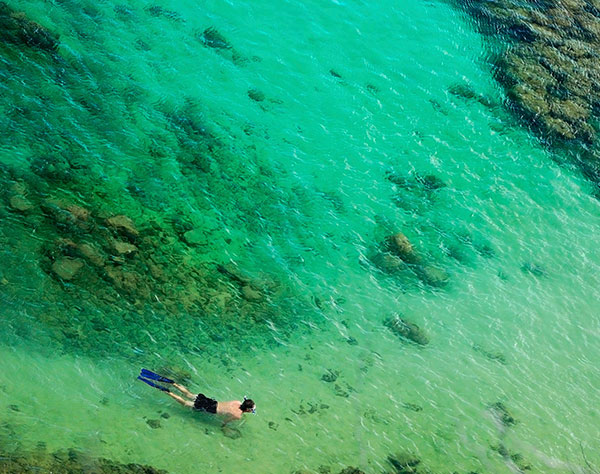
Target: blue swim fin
152,384
152,376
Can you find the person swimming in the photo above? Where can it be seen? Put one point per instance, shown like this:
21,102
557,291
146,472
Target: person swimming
231,410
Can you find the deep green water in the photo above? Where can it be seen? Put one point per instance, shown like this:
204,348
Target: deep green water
291,182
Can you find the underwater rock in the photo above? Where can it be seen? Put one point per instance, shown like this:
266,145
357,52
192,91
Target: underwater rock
92,254
511,457
232,272
407,330
158,11
78,212
67,268
52,168
124,248
534,269
20,203
491,355
154,424
195,237
467,92
412,407
250,289
251,294
123,225
430,181
399,245
128,281
351,470
330,376
256,95
500,411
404,463
388,263
16,28
432,276
211,38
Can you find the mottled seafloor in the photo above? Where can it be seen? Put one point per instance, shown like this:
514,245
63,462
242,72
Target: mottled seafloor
209,190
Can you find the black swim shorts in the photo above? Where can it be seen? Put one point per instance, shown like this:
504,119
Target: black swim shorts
205,404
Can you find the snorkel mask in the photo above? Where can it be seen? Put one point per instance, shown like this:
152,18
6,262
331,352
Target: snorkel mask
254,409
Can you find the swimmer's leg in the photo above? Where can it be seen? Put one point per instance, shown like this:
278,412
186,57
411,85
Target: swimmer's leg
185,391
185,403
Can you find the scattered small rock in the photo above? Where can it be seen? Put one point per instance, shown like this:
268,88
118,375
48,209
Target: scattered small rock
491,355
412,407
256,95
534,269
351,470
330,376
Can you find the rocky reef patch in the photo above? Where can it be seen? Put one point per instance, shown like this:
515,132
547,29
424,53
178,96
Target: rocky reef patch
545,56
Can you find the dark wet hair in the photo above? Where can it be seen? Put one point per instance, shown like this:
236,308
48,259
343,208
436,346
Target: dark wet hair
247,405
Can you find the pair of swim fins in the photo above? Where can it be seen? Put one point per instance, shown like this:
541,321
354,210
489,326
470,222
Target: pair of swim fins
147,376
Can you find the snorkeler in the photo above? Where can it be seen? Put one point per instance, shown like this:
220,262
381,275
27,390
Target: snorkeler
232,410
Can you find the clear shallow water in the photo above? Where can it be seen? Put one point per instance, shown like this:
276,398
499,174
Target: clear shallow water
313,202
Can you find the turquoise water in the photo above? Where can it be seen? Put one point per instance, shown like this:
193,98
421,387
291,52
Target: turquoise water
280,154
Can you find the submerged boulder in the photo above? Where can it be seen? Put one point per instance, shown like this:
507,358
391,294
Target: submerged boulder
407,330
399,245
66,267
20,203
432,276
123,225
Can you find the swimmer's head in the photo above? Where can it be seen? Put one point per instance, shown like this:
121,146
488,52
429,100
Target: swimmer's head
248,406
